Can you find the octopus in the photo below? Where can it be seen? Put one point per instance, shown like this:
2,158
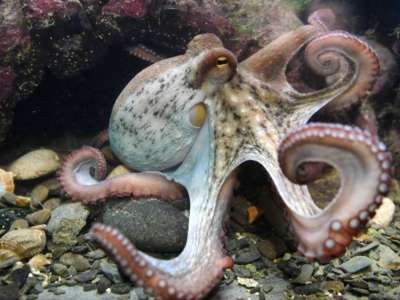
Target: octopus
187,123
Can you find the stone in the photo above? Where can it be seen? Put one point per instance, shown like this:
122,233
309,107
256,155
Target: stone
247,255
38,217
10,292
356,264
86,276
385,213
152,225
60,269
35,164
52,203
271,248
120,288
79,262
110,270
66,222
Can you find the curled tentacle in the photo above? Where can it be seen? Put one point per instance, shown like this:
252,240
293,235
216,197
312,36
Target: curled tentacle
352,64
365,170
193,273
100,139
81,171
323,18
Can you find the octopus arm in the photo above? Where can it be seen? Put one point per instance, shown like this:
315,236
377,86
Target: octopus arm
347,61
82,172
365,169
191,275
270,63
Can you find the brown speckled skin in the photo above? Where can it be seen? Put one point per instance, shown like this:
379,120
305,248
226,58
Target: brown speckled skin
253,113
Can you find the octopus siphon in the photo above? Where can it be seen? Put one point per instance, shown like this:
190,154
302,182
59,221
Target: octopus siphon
188,122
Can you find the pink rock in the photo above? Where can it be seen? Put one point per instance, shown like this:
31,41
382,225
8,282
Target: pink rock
9,38
39,8
126,8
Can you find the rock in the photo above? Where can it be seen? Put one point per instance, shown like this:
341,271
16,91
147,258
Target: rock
385,213
356,264
9,215
35,164
96,254
271,248
305,275
152,225
66,222
19,224
60,269
118,170
110,270
120,288
233,291
22,243
52,203
53,186
38,217
86,276
77,292
247,255
79,262
10,292
38,262
388,259
247,282
39,193
103,284
6,182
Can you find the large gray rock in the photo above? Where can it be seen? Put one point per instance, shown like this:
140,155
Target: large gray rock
152,225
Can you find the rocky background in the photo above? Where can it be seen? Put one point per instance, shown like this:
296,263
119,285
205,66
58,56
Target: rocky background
63,63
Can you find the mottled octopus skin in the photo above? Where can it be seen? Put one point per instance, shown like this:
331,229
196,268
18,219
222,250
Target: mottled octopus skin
253,114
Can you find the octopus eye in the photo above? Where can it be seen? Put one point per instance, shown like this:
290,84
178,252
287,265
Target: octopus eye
222,62
198,114
216,67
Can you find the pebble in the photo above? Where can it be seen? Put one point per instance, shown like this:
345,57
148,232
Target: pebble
86,276
78,261
385,213
110,270
241,271
38,217
247,255
19,224
118,170
120,288
22,243
39,261
52,203
96,254
39,193
53,186
9,292
152,225
356,264
388,259
35,164
60,269
305,276
271,248
103,284
66,222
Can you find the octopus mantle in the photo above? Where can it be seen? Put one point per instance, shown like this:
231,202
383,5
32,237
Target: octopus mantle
189,121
